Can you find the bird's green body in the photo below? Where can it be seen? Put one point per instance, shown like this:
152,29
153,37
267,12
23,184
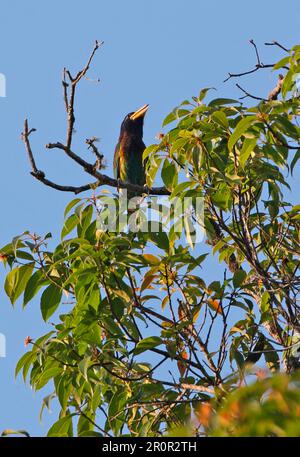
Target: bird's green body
128,158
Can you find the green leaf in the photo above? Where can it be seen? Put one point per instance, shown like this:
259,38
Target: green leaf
271,357
71,205
223,101
50,300
160,239
90,434
85,220
169,118
295,160
282,63
151,259
287,127
29,363
17,242
117,403
83,366
239,277
181,187
221,199
215,286
149,150
46,375
153,165
28,356
220,118
265,302
63,388
46,404
177,113
85,424
32,287
169,174
69,225
238,357
147,281
242,126
165,301
203,93
10,431
147,343
63,427
248,146
189,230
288,83
24,255
16,281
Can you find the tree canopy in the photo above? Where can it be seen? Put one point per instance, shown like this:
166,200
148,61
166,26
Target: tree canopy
140,343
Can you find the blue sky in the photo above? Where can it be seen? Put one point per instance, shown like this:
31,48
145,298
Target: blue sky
157,52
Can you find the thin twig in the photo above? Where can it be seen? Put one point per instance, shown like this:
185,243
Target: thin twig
247,94
25,138
256,52
259,65
73,84
275,43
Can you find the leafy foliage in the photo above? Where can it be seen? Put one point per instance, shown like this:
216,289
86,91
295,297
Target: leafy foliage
267,407
144,340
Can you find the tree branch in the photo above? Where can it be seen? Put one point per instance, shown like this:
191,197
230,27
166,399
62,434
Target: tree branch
259,65
275,43
69,102
101,179
247,94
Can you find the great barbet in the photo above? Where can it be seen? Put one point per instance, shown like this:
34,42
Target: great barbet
128,158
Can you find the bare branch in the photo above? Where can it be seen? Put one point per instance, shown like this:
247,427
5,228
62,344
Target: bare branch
259,65
247,94
65,89
256,51
40,175
275,43
197,388
74,82
99,165
83,72
106,180
25,138
244,73
88,167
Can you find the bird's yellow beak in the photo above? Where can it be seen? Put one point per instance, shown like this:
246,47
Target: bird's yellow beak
139,113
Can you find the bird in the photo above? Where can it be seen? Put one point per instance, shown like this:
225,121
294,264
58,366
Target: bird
128,157
273,95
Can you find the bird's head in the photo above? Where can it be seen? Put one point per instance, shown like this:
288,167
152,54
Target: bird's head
133,122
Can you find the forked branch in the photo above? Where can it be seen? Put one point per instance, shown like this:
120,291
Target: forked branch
273,94
69,84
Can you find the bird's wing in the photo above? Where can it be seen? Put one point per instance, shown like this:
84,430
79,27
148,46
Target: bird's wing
117,162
